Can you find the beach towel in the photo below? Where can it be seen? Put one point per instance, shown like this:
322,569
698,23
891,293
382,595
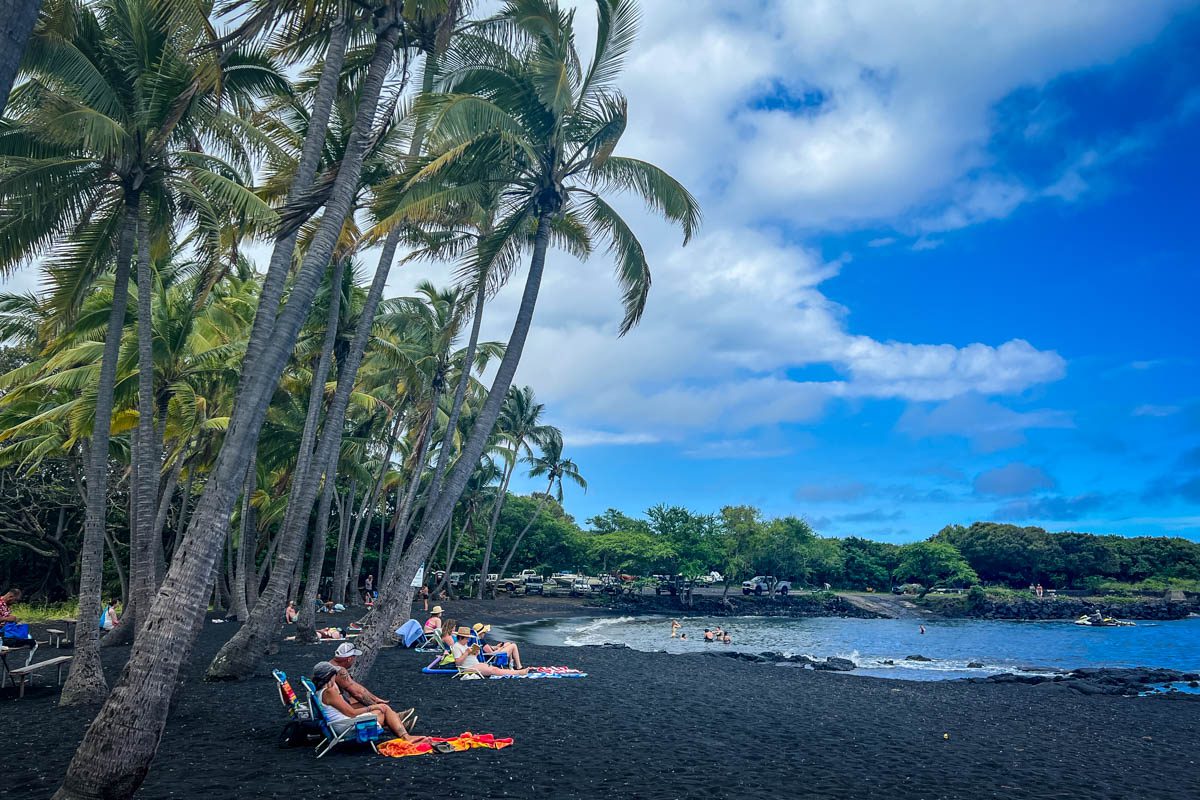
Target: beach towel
544,672
399,748
410,632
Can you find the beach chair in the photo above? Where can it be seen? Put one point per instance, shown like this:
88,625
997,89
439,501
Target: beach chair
432,643
301,727
365,731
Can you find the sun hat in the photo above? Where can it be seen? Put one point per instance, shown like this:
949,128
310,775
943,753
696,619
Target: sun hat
437,609
347,650
479,627
463,631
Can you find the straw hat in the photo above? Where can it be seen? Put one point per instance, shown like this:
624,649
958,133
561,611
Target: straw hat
463,631
479,627
437,610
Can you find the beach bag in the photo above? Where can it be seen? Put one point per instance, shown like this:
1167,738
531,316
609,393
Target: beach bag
15,630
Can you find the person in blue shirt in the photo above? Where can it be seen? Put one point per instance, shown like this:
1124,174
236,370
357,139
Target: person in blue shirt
479,633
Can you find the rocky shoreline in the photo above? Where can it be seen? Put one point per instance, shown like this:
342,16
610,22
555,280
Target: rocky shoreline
805,605
1064,608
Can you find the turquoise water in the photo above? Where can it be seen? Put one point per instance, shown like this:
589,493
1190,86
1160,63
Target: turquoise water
1000,646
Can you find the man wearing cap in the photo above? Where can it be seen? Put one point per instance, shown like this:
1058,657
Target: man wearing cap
357,695
434,623
508,649
466,656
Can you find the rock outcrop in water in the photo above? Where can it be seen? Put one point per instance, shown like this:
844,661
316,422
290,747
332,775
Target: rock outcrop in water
1066,608
830,664
1105,680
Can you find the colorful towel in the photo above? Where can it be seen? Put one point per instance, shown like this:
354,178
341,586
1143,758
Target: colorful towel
544,672
399,748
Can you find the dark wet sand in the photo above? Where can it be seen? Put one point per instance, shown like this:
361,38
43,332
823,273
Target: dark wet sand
649,725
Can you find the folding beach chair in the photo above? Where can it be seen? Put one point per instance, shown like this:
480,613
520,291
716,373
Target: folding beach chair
301,726
365,729
432,643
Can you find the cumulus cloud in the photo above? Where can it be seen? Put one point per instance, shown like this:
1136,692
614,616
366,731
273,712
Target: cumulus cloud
1053,508
1012,480
989,425
831,492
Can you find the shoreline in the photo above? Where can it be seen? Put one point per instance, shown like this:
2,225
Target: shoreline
647,725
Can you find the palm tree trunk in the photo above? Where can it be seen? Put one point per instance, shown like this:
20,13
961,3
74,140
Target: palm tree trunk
306,626
396,594
18,18
240,607
119,745
536,513
241,655
147,457
85,682
341,572
306,170
460,393
405,509
494,520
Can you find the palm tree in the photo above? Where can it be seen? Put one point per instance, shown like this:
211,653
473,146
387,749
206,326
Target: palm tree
100,160
122,739
521,426
18,17
551,464
537,124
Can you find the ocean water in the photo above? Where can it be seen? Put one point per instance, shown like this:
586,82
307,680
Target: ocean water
1001,646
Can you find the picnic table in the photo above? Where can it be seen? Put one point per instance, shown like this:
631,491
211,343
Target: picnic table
5,669
70,624
25,674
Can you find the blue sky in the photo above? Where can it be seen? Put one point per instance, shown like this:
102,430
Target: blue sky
948,273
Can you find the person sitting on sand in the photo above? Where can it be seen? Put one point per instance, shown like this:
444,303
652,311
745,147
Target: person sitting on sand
108,617
6,600
341,714
675,626
290,615
434,622
507,648
466,657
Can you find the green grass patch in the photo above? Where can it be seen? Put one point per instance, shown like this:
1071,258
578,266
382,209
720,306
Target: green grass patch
46,612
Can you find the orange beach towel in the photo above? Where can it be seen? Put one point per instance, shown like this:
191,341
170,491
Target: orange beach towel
399,748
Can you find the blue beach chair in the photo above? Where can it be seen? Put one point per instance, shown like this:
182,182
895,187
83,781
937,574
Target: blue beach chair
365,729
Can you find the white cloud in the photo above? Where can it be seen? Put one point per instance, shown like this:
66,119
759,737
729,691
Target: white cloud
989,426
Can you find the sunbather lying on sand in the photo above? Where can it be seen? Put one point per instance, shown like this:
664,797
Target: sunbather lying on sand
466,656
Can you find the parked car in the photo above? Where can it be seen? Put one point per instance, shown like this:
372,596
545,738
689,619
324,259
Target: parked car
552,588
766,584
520,583
671,584
582,587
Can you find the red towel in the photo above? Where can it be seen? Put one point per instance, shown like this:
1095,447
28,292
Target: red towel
399,748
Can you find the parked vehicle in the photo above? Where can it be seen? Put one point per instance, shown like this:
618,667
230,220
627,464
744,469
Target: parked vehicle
766,584
582,587
521,582
671,584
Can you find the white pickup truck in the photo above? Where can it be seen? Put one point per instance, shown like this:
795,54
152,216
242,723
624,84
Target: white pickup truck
766,584
527,580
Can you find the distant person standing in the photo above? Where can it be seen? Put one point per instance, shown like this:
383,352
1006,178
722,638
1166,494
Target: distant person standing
675,626
922,629
425,596
1040,591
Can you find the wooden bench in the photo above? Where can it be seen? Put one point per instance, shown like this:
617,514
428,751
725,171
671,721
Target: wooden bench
56,636
25,674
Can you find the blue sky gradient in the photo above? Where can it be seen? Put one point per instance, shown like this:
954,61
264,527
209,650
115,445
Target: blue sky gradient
1070,226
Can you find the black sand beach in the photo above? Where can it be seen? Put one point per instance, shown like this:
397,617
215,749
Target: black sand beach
647,725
